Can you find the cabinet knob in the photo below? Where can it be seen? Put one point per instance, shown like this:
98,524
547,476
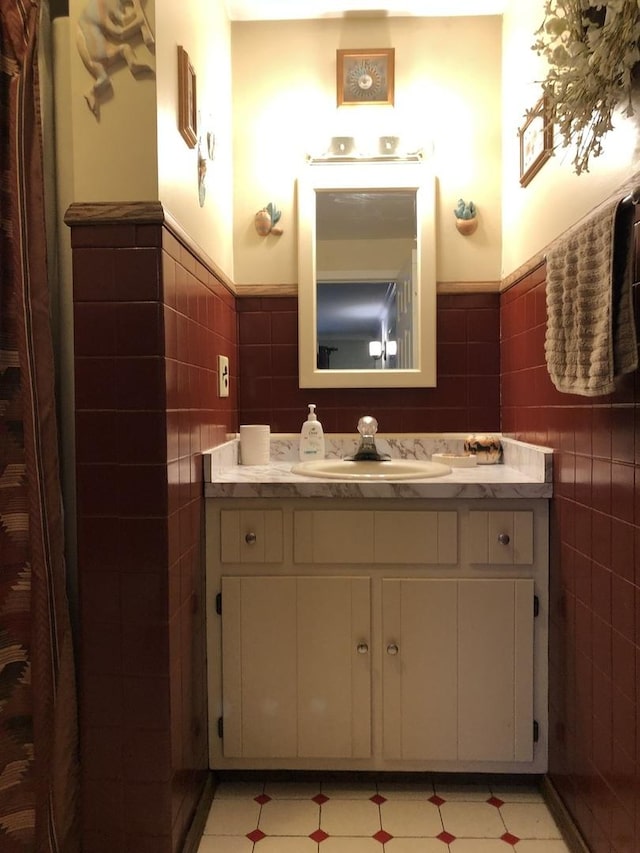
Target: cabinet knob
250,538
362,648
392,649
503,538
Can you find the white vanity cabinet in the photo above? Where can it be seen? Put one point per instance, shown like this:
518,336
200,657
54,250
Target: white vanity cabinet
377,634
457,669
296,667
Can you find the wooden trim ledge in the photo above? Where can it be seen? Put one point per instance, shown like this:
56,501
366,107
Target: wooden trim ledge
79,214
246,290
522,271
115,213
467,287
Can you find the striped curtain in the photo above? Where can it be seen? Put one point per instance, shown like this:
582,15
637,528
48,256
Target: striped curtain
38,731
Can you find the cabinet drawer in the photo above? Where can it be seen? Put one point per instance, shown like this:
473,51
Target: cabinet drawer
416,537
399,537
333,537
501,538
251,536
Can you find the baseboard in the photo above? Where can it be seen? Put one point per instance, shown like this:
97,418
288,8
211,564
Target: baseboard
194,834
560,813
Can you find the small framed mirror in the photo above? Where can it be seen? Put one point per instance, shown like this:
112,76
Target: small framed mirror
366,276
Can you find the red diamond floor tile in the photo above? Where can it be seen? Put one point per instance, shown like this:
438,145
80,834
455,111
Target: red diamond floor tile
495,801
382,836
320,799
378,799
436,800
319,835
446,837
510,839
262,799
256,835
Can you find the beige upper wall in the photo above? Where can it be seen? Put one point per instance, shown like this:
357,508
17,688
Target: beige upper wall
267,91
133,151
447,90
112,157
556,198
203,29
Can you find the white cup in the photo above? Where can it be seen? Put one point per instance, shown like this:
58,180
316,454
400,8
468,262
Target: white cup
255,444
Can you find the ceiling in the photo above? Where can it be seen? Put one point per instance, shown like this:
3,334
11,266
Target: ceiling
282,10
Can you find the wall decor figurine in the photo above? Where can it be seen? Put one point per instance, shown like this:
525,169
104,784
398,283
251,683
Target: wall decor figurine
211,145
365,76
202,174
106,29
266,221
466,217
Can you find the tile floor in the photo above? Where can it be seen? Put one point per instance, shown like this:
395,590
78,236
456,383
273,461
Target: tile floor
382,817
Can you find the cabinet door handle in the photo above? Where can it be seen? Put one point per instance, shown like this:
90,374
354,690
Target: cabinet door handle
392,649
250,538
504,538
362,648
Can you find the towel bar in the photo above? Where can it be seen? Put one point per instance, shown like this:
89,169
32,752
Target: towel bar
632,198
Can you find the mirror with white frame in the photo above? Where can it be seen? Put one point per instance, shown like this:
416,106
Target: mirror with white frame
366,276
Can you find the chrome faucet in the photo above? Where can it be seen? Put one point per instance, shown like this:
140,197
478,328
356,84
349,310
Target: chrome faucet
367,450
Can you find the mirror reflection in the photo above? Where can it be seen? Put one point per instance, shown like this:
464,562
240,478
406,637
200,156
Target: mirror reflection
366,276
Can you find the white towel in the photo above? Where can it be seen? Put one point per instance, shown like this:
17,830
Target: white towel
591,339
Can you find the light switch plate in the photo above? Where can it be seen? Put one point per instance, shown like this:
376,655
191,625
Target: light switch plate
223,376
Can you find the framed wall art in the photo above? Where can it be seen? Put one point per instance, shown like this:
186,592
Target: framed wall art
365,76
536,141
187,102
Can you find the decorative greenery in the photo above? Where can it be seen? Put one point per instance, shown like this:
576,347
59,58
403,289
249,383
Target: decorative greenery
592,49
274,213
464,210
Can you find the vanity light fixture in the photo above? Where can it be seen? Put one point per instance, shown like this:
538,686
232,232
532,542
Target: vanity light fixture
377,349
346,148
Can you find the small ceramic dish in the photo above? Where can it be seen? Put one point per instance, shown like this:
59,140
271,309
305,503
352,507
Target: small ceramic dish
455,460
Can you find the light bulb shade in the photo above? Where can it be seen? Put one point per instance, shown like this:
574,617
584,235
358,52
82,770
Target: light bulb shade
392,348
375,349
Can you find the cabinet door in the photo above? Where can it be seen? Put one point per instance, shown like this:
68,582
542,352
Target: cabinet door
419,649
334,667
458,669
495,677
296,667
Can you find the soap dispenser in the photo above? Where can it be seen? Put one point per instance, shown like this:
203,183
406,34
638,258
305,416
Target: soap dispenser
312,436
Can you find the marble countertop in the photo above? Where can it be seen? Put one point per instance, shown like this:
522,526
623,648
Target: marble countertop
525,472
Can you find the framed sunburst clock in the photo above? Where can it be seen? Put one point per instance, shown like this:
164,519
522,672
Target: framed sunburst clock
365,76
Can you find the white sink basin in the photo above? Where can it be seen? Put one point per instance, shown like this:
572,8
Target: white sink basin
394,469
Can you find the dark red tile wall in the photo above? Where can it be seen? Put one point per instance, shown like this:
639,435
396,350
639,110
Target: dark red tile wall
467,396
150,321
594,654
